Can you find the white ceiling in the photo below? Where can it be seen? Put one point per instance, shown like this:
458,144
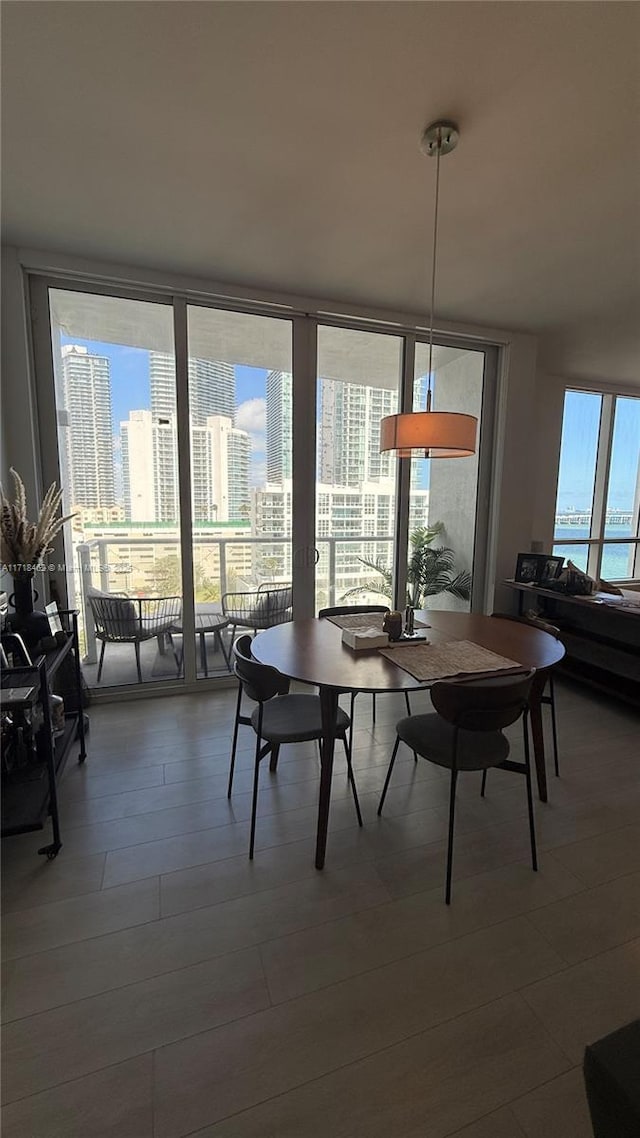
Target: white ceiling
276,145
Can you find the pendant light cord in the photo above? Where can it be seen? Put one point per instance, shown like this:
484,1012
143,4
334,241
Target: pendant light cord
433,266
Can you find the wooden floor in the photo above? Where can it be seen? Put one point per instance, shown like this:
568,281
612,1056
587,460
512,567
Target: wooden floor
158,984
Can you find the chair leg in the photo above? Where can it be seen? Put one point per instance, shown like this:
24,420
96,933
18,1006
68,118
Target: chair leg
554,730
273,761
235,741
255,777
352,781
136,645
387,779
176,654
532,824
452,808
374,706
406,700
254,801
104,645
484,783
352,708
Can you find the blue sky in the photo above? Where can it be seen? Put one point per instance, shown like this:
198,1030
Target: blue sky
130,378
579,443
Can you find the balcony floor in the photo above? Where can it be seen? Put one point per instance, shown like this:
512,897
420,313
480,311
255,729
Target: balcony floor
119,666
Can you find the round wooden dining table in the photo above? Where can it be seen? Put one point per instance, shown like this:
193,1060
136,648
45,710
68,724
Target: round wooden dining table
312,652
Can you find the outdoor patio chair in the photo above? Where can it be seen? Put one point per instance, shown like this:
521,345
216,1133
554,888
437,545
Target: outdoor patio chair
120,619
269,604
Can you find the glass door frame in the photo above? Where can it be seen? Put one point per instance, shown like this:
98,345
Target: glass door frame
304,371
487,468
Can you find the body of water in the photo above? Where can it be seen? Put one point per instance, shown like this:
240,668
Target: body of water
615,560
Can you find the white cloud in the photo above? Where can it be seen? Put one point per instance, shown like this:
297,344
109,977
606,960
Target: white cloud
251,416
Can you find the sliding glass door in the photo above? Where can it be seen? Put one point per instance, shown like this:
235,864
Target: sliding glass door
359,382
211,455
240,422
443,504
115,424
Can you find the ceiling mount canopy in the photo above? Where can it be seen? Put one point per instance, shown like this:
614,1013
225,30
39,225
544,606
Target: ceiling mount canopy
432,434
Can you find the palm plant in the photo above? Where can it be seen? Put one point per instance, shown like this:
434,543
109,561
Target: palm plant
430,570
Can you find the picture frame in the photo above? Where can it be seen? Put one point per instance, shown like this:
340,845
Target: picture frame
55,624
537,568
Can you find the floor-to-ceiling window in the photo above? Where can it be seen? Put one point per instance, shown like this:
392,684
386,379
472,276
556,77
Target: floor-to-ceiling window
359,382
597,523
444,491
240,413
115,422
177,417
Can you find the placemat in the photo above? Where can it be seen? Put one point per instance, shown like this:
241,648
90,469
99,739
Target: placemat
444,661
365,620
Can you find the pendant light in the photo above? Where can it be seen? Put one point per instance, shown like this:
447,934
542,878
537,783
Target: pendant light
431,434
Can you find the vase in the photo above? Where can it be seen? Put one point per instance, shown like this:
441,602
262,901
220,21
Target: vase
30,625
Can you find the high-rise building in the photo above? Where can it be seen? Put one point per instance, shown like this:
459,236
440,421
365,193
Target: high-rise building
229,458
349,433
88,431
220,461
212,387
136,437
150,467
279,426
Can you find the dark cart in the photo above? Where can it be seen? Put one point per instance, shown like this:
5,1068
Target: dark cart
29,784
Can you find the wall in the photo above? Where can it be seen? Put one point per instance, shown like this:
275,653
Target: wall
548,433
514,474
17,405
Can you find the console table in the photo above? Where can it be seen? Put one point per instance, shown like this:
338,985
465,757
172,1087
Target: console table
601,635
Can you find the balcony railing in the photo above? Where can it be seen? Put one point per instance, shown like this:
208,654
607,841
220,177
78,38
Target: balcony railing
336,571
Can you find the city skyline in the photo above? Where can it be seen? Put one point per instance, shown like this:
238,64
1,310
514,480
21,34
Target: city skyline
347,456
247,391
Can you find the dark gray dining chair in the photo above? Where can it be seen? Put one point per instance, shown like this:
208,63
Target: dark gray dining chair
356,610
548,696
466,734
280,717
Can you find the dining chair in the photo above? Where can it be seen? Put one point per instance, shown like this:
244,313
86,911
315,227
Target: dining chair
280,717
466,734
549,699
356,610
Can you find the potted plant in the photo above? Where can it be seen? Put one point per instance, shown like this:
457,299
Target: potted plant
430,570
